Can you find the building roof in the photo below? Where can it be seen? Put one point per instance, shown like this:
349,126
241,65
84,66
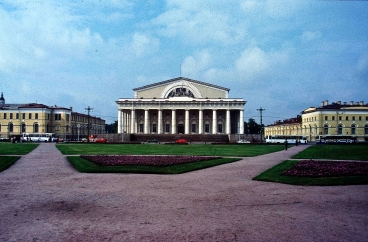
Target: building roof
337,106
296,120
178,79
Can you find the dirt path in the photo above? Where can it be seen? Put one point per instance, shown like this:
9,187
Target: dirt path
42,198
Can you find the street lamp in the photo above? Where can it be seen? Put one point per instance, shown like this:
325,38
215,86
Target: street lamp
78,128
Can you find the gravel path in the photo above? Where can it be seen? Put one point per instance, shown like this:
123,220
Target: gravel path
42,198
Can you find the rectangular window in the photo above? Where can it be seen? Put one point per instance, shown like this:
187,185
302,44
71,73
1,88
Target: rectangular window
29,116
154,128
23,116
11,116
17,116
4,115
57,127
167,128
207,128
326,118
347,118
57,117
353,118
194,128
67,117
360,118
333,117
141,128
219,128
340,118
36,116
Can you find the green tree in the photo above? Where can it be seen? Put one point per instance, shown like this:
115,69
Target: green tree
252,127
112,128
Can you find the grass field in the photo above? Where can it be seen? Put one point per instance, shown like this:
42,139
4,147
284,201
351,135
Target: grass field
83,165
16,148
7,161
331,152
247,150
335,152
274,175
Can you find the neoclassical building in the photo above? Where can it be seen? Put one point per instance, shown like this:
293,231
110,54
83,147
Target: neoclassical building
16,119
181,106
336,118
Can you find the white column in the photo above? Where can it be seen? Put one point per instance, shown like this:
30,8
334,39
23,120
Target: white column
120,121
173,121
132,122
241,121
146,121
186,131
159,128
200,119
228,121
214,121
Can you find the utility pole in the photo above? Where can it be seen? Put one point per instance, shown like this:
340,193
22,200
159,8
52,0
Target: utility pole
261,110
89,124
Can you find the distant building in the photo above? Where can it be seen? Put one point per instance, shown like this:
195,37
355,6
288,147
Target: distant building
16,119
292,126
336,118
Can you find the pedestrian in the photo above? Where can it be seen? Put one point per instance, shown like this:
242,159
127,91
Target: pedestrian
296,142
286,144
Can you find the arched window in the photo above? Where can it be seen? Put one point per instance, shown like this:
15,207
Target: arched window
11,127
353,129
23,127
339,129
366,129
325,129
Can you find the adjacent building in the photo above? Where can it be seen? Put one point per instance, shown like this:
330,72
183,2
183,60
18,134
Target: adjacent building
16,119
181,106
334,118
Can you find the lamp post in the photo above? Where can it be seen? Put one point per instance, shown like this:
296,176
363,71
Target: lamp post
78,127
88,125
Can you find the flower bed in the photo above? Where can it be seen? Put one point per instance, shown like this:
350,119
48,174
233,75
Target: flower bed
316,168
119,160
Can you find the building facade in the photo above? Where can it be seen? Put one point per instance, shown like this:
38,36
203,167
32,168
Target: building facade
181,106
16,119
336,118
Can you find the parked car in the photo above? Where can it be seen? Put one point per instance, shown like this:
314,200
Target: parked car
100,140
152,141
243,141
84,140
181,141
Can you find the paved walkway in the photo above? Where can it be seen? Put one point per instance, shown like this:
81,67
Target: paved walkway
42,198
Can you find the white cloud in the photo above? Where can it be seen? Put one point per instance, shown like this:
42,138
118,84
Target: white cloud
142,44
193,65
310,35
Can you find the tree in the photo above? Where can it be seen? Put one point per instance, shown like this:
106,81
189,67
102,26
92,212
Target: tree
112,128
251,127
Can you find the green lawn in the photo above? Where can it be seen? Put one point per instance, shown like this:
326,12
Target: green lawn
83,165
246,150
335,152
16,148
7,161
274,175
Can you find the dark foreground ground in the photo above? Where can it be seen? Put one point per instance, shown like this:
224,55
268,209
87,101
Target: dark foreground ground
42,198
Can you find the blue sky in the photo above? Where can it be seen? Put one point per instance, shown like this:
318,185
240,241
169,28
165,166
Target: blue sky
283,56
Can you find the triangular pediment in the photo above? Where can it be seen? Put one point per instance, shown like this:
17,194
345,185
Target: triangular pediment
181,87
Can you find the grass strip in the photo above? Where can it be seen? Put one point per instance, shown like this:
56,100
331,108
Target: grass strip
7,161
83,165
274,175
7,148
335,152
247,150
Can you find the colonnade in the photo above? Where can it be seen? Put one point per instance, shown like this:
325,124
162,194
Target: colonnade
183,121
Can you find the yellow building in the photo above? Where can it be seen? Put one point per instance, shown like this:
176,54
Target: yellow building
286,127
16,119
336,118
